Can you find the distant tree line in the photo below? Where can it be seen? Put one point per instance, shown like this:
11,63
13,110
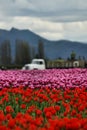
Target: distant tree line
24,52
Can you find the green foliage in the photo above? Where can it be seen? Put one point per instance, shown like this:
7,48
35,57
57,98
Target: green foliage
5,53
73,55
23,53
41,49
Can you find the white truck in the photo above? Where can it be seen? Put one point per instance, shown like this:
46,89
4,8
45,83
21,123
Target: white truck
38,64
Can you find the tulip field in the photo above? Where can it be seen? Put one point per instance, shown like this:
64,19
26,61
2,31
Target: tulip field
52,99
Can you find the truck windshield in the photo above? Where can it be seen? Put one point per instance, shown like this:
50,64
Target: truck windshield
37,62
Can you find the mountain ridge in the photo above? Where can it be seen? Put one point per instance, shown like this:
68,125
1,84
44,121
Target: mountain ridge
53,49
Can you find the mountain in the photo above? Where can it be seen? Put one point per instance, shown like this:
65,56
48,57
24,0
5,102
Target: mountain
53,49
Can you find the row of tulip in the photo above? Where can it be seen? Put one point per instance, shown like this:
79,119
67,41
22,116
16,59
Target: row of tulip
53,78
43,109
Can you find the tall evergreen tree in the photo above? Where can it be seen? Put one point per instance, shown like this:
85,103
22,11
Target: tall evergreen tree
33,52
41,49
73,55
23,52
5,52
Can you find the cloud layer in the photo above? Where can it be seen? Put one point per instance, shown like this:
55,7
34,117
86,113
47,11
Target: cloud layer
54,20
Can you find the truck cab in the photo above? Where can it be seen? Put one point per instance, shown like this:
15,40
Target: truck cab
38,64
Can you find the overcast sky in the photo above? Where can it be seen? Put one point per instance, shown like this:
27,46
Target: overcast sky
52,19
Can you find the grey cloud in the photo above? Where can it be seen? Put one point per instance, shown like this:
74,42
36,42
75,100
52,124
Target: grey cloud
57,16
56,11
